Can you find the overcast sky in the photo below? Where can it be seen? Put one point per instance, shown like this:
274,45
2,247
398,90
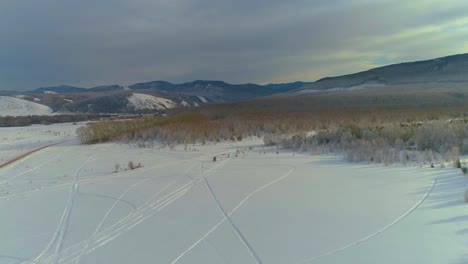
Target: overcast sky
96,42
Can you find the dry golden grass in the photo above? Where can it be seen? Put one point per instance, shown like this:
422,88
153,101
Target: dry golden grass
360,131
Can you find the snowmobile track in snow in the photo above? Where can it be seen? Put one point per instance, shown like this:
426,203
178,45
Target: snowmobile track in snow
231,213
380,231
75,253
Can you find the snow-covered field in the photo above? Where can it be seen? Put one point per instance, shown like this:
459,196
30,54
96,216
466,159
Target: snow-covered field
11,106
69,204
17,140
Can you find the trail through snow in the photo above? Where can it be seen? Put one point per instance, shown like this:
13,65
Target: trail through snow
184,207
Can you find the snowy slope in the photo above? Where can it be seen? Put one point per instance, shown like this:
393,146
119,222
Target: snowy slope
10,106
144,101
203,99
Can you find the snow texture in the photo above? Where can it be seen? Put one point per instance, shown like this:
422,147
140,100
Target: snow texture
144,101
203,99
68,204
11,106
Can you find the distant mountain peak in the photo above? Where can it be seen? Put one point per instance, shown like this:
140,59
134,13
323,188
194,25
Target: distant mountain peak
205,82
450,69
71,89
60,89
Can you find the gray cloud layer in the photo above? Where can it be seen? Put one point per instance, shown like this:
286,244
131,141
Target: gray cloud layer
88,42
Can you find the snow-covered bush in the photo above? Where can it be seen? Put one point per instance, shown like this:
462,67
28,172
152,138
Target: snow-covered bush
464,169
406,136
438,137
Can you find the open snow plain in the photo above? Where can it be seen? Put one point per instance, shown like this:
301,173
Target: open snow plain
70,203
15,141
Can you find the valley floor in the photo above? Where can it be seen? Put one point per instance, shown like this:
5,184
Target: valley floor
70,203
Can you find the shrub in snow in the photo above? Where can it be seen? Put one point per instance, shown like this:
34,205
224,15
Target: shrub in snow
131,165
464,170
438,137
453,154
359,136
